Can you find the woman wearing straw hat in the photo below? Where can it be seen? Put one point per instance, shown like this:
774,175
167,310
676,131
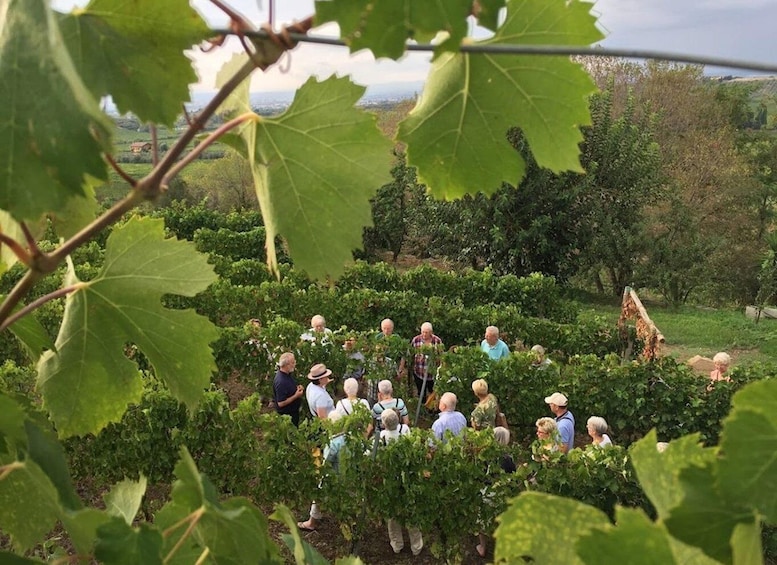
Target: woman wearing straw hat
320,402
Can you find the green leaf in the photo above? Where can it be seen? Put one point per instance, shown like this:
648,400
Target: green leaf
635,540
28,502
315,168
748,469
47,143
457,134
526,529
134,52
123,501
12,229
304,553
234,532
746,544
82,527
704,519
659,473
384,27
78,212
118,543
89,382
44,449
12,430
13,559
32,335
489,13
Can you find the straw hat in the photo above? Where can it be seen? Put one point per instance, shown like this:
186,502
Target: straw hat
318,371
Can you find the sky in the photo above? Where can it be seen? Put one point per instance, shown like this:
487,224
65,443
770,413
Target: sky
734,29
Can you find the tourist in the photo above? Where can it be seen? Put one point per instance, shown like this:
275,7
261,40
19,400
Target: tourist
494,347
597,429
565,420
287,394
449,419
423,374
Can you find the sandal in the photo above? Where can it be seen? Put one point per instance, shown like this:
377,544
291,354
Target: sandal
306,528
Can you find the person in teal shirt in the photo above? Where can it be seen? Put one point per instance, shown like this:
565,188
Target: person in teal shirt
493,346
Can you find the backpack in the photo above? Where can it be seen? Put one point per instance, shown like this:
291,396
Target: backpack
396,408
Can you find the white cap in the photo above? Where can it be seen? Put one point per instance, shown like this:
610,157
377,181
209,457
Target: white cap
556,398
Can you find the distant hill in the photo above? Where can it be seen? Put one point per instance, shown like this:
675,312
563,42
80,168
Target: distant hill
764,92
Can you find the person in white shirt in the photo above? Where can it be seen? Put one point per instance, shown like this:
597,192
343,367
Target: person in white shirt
597,428
320,403
347,405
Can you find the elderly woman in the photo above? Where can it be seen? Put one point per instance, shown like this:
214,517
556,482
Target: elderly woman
347,405
484,414
502,437
548,434
597,429
722,361
392,430
332,456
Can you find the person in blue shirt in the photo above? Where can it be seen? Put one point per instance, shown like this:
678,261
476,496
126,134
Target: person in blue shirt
565,421
493,346
449,419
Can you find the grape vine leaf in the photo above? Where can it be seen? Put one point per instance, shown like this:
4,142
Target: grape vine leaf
123,500
78,211
384,27
12,229
120,543
89,381
47,143
233,531
659,473
28,502
134,52
13,559
746,544
704,519
524,529
315,168
488,16
82,526
32,335
456,135
635,540
748,470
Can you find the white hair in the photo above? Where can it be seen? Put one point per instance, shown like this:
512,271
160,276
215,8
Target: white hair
493,330
318,319
334,415
538,349
387,322
285,359
351,386
449,400
389,419
502,435
598,424
385,387
723,358
427,326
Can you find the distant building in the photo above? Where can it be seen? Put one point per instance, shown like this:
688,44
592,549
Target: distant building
140,147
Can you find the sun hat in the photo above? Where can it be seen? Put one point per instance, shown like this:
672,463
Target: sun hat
556,398
318,371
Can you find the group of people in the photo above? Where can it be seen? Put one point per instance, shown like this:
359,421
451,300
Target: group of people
391,417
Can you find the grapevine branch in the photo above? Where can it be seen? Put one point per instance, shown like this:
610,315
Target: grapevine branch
38,303
149,187
20,252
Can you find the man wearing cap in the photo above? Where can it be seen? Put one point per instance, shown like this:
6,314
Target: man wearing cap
319,401
564,420
494,347
287,394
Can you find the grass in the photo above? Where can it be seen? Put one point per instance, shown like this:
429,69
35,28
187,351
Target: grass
695,330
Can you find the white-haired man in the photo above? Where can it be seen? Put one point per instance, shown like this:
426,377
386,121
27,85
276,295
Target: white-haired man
287,394
449,420
423,370
318,330
494,347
